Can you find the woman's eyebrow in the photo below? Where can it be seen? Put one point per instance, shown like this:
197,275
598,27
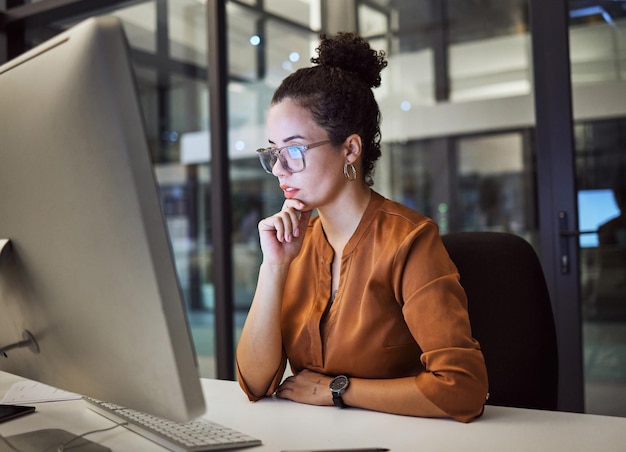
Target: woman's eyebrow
288,139
293,137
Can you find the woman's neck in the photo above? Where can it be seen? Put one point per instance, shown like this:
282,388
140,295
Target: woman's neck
341,219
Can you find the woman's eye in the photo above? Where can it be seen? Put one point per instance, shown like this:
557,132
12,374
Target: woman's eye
294,152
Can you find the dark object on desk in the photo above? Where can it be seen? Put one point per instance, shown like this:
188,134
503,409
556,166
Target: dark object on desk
52,440
8,412
511,316
358,449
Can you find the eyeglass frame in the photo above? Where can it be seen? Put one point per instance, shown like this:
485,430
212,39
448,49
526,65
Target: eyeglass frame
277,154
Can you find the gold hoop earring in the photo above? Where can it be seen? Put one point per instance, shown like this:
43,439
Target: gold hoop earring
349,171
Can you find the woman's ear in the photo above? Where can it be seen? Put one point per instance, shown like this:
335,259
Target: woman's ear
353,147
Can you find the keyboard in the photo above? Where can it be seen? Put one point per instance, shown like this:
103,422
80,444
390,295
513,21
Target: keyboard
196,435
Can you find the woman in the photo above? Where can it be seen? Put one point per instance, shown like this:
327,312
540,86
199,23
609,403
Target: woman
362,299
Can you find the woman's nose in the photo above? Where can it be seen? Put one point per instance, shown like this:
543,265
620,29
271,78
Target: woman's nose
278,169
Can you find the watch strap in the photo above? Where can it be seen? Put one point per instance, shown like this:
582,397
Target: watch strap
338,400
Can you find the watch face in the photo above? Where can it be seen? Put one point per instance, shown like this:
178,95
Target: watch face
339,383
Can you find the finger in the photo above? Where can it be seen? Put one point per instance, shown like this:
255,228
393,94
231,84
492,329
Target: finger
303,222
284,391
293,204
290,222
286,224
282,394
273,224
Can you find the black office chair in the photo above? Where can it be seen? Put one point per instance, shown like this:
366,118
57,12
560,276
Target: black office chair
511,316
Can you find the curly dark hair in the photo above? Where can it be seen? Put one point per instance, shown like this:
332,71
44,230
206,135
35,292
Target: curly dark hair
338,93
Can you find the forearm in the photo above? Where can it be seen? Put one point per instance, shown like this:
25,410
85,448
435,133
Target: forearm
397,396
259,351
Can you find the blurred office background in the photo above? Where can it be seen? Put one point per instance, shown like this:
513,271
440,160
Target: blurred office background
472,137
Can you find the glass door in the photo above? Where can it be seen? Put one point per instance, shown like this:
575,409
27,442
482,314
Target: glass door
601,180
598,63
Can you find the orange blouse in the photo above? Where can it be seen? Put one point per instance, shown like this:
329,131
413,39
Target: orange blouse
399,311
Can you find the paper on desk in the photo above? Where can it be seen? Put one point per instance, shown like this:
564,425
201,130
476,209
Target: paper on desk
27,391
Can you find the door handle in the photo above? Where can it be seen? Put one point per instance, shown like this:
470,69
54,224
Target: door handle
574,233
564,235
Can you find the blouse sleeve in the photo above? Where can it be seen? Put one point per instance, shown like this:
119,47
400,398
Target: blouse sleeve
435,310
273,384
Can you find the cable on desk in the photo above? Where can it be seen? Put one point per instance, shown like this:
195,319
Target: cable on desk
62,447
6,441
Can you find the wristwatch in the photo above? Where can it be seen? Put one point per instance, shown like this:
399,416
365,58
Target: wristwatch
338,386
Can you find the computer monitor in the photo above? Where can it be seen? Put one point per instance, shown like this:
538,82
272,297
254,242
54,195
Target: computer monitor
86,266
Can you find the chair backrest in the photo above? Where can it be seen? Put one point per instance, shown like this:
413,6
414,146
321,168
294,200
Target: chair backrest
511,316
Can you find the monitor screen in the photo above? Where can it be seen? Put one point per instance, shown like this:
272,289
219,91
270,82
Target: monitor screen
86,267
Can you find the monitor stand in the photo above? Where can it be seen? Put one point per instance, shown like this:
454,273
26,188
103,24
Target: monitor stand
47,439
53,440
5,244
28,340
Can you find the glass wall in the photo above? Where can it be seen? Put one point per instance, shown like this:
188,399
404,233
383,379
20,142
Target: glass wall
598,61
601,178
457,110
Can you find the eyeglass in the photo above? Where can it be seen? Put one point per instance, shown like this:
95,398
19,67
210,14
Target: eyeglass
291,157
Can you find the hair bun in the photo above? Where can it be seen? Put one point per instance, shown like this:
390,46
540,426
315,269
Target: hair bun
351,53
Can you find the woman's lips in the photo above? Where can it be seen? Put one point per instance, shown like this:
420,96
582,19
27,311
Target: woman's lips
289,192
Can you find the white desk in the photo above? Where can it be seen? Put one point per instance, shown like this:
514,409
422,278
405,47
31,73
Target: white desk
283,424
